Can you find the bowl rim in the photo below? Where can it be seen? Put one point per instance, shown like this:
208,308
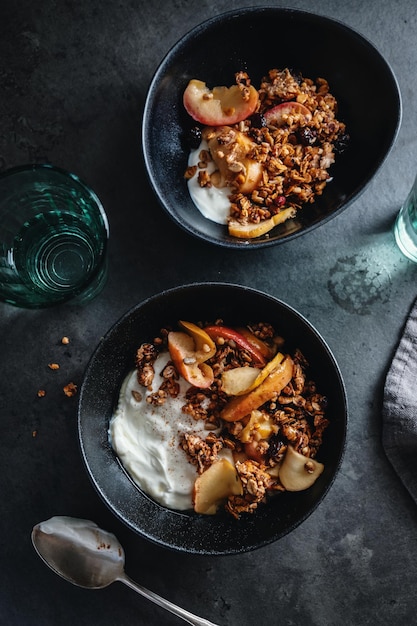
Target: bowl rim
184,543
245,244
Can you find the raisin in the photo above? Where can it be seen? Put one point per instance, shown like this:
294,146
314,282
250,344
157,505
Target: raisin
341,143
307,136
194,137
257,120
275,445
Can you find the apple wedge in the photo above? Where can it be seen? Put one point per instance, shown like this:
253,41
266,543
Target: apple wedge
274,383
217,331
181,348
259,344
220,106
205,347
239,380
298,472
286,112
229,149
251,176
272,365
251,231
214,486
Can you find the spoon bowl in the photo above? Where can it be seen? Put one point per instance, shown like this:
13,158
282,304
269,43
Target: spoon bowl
79,551
90,557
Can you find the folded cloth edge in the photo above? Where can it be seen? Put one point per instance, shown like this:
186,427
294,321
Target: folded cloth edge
399,411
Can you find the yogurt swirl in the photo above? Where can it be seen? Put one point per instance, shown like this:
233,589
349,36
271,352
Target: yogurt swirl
146,438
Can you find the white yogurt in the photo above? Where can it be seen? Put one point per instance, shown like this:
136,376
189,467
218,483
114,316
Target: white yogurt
212,202
146,439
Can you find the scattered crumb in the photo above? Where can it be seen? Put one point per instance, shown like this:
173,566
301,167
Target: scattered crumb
34,433
70,389
41,393
53,366
65,340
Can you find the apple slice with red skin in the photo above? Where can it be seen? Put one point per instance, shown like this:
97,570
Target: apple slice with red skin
182,350
262,346
221,105
227,333
278,115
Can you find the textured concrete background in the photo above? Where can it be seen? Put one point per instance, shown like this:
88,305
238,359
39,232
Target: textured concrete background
73,79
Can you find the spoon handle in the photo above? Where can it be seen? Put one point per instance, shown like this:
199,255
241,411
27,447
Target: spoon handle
165,604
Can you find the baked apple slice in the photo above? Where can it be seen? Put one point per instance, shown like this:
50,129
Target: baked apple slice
270,367
298,472
239,380
274,383
230,150
251,230
214,486
220,106
182,350
204,345
261,345
217,331
286,112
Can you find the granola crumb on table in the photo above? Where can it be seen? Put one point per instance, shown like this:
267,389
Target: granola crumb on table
70,390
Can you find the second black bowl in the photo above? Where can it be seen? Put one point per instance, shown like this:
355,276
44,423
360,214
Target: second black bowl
256,40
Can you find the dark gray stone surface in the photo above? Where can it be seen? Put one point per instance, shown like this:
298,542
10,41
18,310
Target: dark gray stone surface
73,78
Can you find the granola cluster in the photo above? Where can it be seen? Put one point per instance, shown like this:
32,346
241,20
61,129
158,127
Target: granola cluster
294,154
294,417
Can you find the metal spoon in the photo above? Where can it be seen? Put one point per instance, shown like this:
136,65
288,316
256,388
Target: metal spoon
87,556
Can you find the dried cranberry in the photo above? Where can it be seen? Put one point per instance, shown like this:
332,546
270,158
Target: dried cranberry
257,120
279,201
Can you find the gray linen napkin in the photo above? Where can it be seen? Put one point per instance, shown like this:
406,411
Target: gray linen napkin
399,413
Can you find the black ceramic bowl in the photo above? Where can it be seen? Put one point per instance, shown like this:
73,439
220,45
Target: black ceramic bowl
256,40
114,358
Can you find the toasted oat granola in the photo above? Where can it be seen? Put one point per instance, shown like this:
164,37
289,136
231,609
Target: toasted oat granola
294,154
295,416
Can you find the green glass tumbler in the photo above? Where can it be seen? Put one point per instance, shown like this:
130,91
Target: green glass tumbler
53,238
405,228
